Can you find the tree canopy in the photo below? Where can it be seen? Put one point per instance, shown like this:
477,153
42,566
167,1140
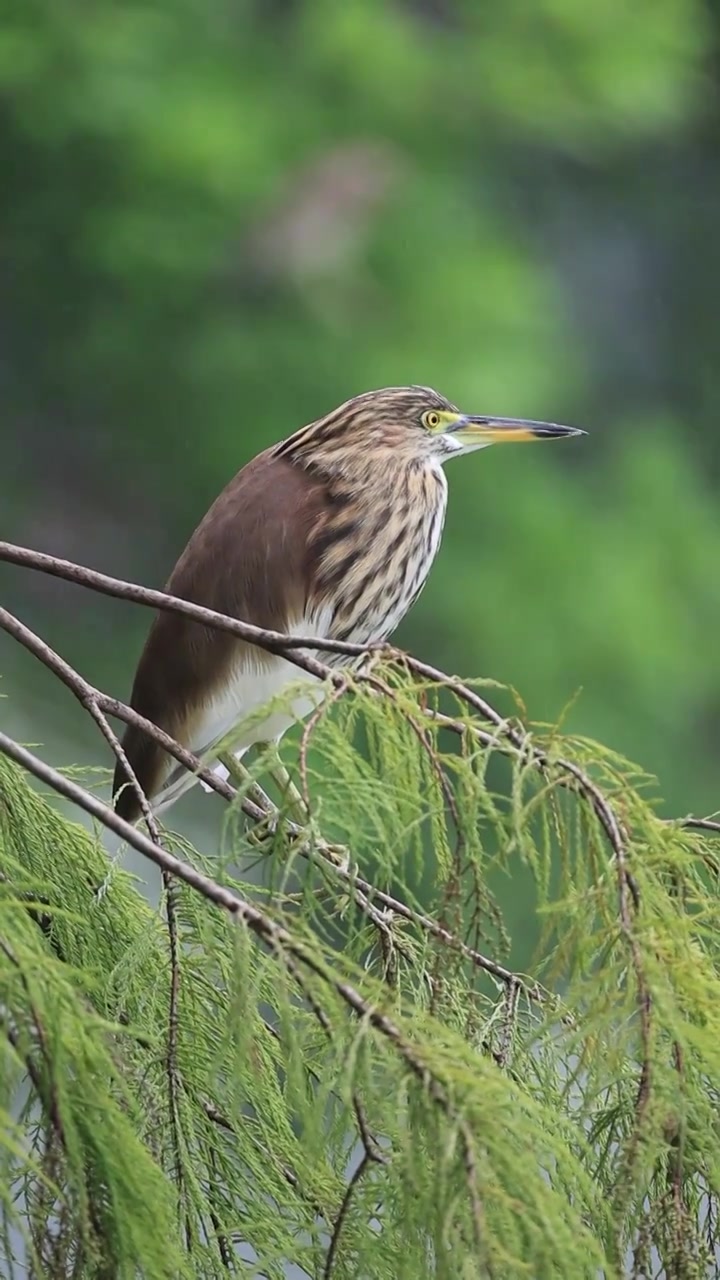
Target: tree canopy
333,1069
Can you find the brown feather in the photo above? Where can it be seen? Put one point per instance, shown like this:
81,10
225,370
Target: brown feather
249,557
339,522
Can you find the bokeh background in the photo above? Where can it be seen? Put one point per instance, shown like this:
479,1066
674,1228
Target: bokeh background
219,218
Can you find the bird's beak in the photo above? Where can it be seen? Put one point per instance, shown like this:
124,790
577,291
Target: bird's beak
476,432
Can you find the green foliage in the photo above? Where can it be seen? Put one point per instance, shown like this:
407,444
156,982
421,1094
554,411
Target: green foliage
216,225
217,221
358,1094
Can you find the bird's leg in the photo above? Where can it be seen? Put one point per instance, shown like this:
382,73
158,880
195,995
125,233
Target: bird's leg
264,828
243,779
337,855
295,804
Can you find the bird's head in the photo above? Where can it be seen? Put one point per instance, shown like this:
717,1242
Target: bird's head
424,420
407,423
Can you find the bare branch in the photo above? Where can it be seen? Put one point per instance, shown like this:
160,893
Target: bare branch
277,642
273,641
86,693
695,824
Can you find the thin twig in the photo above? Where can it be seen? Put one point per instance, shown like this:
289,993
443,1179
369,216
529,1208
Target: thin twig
626,886
45,1089
226,1255
676,1167
290,1177
695,824
509,1020
422,737
518,738
533,991
309,728
369,1143
342,1213
274,641
49,1096
171,1066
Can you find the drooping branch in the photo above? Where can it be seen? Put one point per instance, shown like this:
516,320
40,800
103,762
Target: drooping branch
97,702
89,696
502,734
290,950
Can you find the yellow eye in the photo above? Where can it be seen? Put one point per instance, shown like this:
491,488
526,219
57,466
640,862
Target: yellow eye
431,420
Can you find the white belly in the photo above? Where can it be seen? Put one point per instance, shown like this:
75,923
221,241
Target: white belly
258,705
250,716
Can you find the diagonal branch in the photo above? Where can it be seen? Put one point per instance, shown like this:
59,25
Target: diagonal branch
508,737
505,735
364,892
87,693
363,1165
273,641
273,935
92,700
288,646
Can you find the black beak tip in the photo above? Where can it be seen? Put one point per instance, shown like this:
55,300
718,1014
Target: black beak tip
552,430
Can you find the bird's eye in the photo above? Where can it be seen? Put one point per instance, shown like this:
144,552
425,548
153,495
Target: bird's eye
431,420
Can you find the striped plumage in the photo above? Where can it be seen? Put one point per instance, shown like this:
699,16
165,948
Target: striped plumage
330,533
385,502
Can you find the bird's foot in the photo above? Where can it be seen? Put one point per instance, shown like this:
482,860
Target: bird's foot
294,806
235,770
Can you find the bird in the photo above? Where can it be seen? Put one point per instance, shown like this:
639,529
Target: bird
329,534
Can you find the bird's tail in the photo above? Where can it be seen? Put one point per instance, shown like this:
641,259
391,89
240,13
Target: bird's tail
181,780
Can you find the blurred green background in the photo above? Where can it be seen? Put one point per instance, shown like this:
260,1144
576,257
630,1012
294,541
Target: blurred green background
218,219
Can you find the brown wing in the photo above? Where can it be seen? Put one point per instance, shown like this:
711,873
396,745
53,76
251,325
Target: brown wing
248,558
